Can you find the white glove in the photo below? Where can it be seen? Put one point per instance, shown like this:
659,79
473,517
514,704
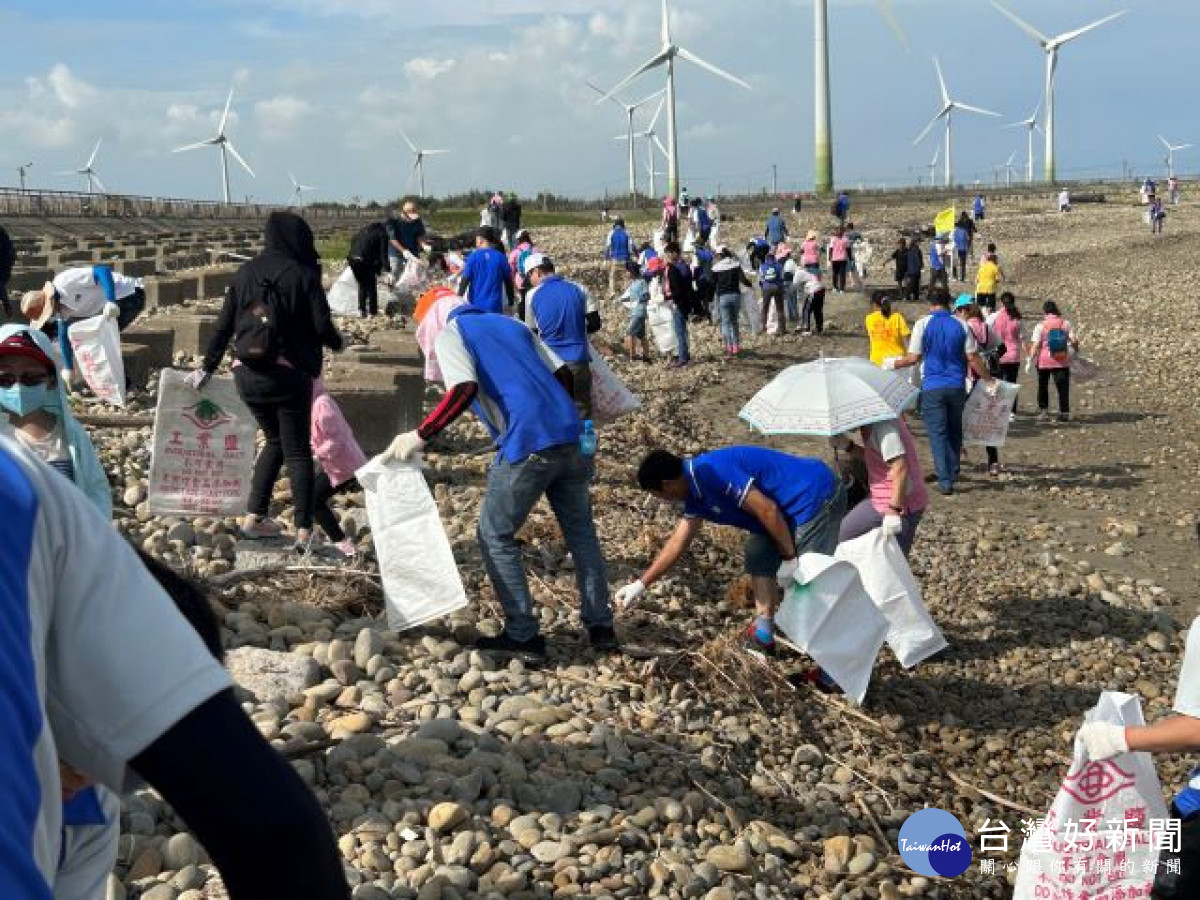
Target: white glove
992,387
111,311
1029,365
786,575
892,524
890,363
629,595
1102,740
404,448
197,379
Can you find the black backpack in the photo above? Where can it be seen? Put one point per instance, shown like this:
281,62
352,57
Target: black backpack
255,338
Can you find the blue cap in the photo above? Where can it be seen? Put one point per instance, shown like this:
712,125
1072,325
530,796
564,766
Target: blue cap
963,300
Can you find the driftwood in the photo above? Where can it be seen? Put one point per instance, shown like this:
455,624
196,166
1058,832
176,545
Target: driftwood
283,569
102,420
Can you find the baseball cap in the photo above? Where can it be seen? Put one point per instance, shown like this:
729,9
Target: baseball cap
963,301
22,344
531,262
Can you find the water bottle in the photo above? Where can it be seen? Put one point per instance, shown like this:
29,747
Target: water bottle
587,440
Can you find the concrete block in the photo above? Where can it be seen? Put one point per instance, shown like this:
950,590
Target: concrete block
189,286
162,292
193,331
66,257
30,261
378,414
29,279
214,283
159,342
136,358
144,252
136,268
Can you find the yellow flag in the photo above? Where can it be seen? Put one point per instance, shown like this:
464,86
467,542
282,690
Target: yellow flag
944,223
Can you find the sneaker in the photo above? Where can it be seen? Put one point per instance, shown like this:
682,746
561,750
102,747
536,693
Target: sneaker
603,637
821,680
347,548
946,490
737,348
754,641
262,530
503,644
1043,415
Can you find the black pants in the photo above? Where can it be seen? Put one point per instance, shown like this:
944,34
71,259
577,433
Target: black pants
814,311
1010,372
281,400
960,264
912,287
986,301
1062,385
773,293
938,276
323,491
839,274
130,308
368,289
705,291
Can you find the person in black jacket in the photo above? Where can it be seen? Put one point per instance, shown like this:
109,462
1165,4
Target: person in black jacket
8,257
914,265
510,218
287,277
368,260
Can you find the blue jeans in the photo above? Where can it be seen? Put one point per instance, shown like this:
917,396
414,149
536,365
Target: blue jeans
730,307
564,476
942,410
681,334
816,535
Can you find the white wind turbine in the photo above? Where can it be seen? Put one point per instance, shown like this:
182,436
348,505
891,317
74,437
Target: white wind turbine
1171,148
947,112
1050,46
222,141
666,56
1030,125
628,137
418,168
652,141
1008,169
937,154
89,172
298,191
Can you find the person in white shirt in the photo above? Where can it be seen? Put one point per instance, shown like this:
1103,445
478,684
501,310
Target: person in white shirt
1064,200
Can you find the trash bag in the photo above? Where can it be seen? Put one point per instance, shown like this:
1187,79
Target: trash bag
1058,859
343,294
413,279
662,327
202,452
96,343
420,578
659,241
611,399
912,633
986,418
1084,369
751,311
829,615
689,242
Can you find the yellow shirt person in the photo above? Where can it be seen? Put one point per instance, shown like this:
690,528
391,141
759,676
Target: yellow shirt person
888,335
987,276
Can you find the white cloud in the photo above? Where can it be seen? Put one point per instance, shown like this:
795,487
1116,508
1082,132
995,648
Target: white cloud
705,131
282,111
426,69
70,91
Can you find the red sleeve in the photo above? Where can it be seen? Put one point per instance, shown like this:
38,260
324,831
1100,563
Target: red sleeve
453,405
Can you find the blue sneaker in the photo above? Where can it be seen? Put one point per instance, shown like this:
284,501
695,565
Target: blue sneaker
759,637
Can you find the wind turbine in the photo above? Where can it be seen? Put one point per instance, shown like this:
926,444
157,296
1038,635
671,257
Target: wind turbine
822,132
1030,125
418,168
937,154
88,171
1008,169
1171,148
948,107
666,56
1050,46
652,141
298,190
222,141
630,109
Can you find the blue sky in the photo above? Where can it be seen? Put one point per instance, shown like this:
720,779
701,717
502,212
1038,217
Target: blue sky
324,86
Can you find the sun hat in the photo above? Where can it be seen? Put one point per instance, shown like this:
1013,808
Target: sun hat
531,262
43,298
963,301
811,236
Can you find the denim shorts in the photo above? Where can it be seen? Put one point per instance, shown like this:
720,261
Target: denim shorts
637,325
818,535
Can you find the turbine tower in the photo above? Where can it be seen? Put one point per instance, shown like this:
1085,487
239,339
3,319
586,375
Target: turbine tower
1008,169
298,191
418,168
652,141
1050,46
947,112
630,109
937,154
1030,125
226,146
822,131
666,56
1171,148
88,171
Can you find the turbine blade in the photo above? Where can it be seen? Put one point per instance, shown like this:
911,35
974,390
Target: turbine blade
1183,146
666,25
928,128
225,115
295,183
966,107
937,67
657,113
238,157
603,95
95,150
937,154
1023,25
435,152
657,60
99,183
192,146
70,172
1071,35
659,145
1011,157
1024,124
1165,142
888,13
411,145
697,61
648,99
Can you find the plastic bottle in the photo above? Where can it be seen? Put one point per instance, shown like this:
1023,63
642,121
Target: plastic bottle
587,440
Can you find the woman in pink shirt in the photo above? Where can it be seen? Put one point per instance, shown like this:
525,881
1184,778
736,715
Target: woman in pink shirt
810,253
1051,345
1007,324
336,449
839,258
898,497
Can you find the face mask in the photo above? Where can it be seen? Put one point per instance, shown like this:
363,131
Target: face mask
21,400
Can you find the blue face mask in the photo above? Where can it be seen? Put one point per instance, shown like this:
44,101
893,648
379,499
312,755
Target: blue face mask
21,399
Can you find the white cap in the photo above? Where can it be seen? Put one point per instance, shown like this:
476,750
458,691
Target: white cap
531,262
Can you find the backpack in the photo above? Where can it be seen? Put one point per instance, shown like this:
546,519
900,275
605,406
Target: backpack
1058,344
255,338
771,272
991,355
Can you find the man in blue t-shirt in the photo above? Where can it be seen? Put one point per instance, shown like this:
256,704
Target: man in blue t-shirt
788,504
521,391
559,310
486,279
618,250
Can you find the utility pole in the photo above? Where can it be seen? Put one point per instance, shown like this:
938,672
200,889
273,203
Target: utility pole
22,170
775,179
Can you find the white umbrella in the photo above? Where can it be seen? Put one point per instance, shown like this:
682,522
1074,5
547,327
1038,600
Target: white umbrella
827,397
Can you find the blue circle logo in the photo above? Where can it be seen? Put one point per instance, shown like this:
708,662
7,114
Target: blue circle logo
933,842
